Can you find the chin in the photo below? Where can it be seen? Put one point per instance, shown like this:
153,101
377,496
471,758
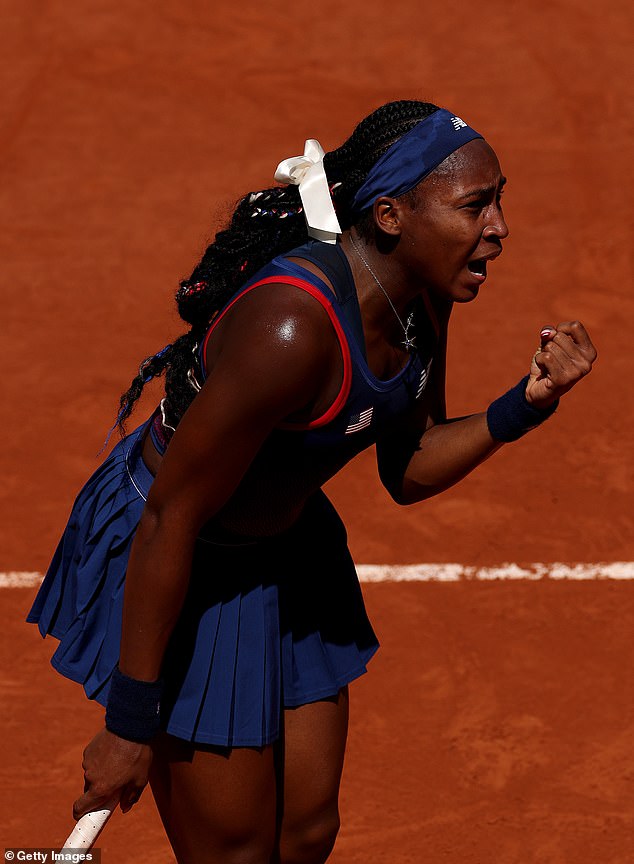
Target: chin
459,293
466,295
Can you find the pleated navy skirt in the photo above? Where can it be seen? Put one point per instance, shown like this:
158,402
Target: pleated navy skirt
265,626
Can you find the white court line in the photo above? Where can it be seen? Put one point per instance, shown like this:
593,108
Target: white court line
461,572
20,579
619,570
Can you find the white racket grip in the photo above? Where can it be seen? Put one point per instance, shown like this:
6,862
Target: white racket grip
89,827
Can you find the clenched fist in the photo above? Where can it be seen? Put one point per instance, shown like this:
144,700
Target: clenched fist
565,357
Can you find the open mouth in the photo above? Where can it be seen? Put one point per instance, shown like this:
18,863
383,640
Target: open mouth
479,268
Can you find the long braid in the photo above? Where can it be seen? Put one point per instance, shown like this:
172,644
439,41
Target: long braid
264,224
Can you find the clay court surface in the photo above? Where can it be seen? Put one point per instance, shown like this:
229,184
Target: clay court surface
495,726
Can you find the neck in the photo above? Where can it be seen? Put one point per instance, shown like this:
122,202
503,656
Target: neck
379,288
400,287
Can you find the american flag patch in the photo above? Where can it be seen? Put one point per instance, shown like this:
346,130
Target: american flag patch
424,375
360,421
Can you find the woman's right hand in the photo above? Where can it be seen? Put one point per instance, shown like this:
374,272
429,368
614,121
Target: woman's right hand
114,768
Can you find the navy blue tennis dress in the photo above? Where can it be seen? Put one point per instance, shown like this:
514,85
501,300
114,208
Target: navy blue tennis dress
274,615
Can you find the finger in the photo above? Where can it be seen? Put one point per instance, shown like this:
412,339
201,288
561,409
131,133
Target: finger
90,801
550,362
129,798
563,373
578,334
570,355
567,345
581,360
547,333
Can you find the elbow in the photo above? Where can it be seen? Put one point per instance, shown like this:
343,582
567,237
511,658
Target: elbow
159,521
405,500
149,527
399,497
400,494
409,492
398,487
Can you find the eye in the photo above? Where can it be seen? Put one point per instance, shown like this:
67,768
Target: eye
482,199
476,204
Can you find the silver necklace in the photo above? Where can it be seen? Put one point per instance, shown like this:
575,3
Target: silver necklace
410,341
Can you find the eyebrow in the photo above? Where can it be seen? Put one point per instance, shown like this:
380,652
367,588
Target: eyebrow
484,190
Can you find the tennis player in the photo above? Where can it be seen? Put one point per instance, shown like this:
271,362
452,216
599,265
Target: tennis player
203,591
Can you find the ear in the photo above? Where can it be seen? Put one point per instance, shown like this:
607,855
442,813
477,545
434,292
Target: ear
387,215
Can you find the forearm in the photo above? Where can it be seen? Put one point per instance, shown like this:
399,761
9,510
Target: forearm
447,453
156,585
450,450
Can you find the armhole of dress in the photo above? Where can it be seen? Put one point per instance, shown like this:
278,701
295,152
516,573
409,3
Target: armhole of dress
346,383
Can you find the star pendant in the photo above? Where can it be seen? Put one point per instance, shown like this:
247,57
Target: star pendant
409,342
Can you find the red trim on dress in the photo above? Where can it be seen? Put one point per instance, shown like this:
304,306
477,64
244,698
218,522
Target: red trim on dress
344,392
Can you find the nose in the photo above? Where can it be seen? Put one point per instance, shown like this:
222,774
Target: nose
497,228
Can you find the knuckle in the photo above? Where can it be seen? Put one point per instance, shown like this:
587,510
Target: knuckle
564,339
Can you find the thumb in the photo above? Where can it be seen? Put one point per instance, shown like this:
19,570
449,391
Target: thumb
546,334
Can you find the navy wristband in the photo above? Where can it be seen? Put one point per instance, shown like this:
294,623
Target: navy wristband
133,710
510,416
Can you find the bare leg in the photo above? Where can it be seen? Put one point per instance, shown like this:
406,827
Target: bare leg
313,750
218,805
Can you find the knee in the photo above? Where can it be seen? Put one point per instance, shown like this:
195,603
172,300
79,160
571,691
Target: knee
310,842
249,849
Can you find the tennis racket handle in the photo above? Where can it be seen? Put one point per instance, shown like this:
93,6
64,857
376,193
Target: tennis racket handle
89,827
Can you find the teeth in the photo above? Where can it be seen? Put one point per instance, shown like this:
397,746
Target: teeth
479,267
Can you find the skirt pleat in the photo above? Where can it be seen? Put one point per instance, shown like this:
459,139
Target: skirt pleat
264,626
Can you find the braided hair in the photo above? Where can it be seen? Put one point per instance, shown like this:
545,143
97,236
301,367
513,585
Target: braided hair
264,224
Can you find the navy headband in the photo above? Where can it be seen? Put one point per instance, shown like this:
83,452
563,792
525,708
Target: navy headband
413,157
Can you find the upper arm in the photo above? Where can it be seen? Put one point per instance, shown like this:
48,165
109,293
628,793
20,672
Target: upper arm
275,352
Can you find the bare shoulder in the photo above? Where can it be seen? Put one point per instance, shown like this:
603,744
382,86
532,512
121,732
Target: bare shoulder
278,318
278,340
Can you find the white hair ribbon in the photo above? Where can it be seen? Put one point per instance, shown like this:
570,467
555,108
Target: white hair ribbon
308,173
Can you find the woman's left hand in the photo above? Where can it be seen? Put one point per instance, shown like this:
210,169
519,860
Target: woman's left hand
565,357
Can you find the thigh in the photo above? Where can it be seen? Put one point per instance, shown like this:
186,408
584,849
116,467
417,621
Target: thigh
217,804
311,765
